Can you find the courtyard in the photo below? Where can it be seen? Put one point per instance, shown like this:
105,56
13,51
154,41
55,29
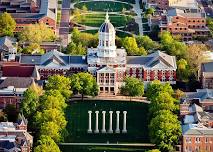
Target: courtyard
137,125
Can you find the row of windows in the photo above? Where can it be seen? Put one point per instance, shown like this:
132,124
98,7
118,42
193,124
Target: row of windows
197,149
197,140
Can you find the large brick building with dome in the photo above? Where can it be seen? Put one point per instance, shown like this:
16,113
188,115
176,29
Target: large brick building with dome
109,64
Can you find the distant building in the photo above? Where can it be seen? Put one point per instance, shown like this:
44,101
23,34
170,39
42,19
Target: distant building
14,136
12,89
206,75
187,24
8,48
165,4
196,137
26,12
203,98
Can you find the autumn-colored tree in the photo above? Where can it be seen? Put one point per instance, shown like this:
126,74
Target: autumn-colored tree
7,24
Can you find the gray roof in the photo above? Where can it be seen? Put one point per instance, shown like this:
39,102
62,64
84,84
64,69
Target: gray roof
137,59
17,82
157,59
47,7
195,129
52,56
200,94
179,12
7,41
207,67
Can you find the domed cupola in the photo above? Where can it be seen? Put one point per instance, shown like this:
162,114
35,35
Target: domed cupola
107,39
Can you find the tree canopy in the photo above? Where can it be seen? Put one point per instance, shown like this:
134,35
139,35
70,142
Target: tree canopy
133,87
165,130
46,144
172,46
84,83
146,42
37,33
131,46
60,83
7,24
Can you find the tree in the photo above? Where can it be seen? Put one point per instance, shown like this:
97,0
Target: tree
161,101
51,115
172,46
75,49
165,130
46,144
31,100
146,42
133,87
36,34
155,86
52,99
11,112
7,24
149,11
84,8
195,56
179,94
130,44
52,130
153,150
84,83
60,83
209,22
183,70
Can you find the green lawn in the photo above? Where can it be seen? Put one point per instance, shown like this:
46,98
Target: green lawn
77,116
104,6
96,20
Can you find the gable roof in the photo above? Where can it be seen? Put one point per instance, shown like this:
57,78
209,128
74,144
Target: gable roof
196,129
17,82
106,69
207,67
7,41
157,59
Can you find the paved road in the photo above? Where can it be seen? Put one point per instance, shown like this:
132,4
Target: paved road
64,23
138,18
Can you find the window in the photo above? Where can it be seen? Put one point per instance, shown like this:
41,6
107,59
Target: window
197,140
188,140
197,148
148,78
163,78
207,140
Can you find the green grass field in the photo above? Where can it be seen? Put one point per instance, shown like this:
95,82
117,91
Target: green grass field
96,20
77,117
104,6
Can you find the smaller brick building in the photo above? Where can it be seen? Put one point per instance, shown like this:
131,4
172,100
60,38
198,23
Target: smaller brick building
187,24
197,137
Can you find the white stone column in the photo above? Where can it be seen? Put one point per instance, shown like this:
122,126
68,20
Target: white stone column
103,123
124,122
90,125
117,122
96,124
110,122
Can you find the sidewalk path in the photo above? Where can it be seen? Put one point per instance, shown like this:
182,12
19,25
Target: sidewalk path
138,18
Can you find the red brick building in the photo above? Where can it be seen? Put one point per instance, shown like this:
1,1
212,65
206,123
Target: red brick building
30,12
187,24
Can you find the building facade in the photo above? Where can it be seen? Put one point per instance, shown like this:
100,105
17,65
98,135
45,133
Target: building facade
206,75
187,24
109,64
26,12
